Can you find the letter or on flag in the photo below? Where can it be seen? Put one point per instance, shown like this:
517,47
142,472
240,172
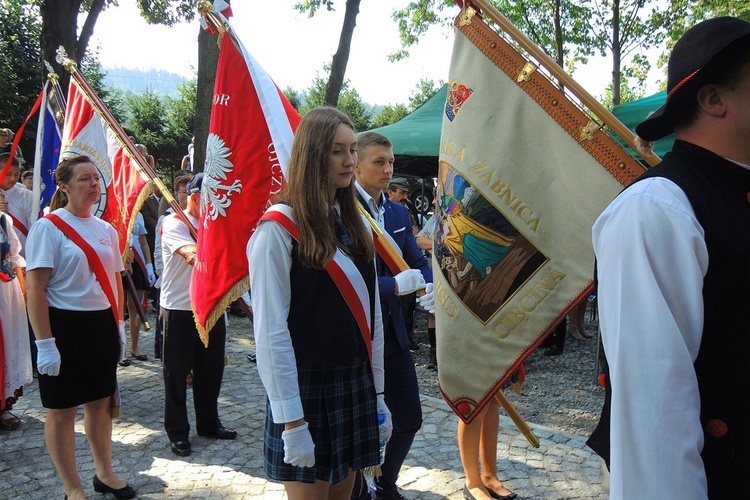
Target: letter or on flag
48,143
247,153
523,175
124,190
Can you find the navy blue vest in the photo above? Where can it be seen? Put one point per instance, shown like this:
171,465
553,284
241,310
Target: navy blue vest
322,327
719,192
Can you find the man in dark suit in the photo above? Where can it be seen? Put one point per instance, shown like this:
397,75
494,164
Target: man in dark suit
373,175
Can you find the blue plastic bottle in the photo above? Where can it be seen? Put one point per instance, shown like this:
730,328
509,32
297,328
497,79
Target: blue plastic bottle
383,442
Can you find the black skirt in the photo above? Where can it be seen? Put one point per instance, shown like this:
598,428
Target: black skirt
89,348
139,279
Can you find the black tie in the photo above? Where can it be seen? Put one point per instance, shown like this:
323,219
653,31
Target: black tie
341,233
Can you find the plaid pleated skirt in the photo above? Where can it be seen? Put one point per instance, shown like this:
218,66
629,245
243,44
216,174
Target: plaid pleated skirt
341,410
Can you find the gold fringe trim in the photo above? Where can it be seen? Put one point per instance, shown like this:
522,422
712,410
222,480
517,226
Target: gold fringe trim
115,411
145,193
233,294
373,470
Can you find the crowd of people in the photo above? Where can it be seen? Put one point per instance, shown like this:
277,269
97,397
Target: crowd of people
343,398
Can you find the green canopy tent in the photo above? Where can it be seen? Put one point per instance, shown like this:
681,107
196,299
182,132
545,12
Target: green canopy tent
416,137
634,112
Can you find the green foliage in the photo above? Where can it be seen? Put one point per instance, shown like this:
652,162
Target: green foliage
312,6
20,65
112,97
147,119
389,114
180,126
167,12
426,88
416,18
294,97
350,102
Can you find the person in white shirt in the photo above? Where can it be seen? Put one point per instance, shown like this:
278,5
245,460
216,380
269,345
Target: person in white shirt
319,351
672,259
16,200
183,349
80,335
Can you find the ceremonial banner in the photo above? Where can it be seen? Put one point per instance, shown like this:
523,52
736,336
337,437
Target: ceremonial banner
123,184
247,153
523,175
48,143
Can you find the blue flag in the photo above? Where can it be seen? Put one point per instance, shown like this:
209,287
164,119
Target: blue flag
49,135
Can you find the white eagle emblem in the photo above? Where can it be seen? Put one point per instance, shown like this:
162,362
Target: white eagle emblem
216,196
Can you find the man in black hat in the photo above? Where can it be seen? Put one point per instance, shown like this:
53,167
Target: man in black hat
673,254
183,350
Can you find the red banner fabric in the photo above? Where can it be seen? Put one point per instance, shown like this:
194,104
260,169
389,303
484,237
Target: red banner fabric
86,133
247,152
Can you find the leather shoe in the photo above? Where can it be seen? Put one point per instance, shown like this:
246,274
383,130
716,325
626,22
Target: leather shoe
495,494
220,433
181,448
124,492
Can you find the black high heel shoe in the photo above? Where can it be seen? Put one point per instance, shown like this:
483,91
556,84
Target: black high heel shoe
124,492
495,494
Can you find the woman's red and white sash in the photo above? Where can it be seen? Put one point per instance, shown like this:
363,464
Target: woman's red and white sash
343,272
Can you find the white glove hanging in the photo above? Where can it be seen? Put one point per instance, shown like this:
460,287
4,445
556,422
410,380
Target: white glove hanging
299,449
121,333
409,281
150,274
427,301
48,357
386,428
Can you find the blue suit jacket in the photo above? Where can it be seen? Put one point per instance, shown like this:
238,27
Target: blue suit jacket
398,225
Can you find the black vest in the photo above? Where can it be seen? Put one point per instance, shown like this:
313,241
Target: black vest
321,325
719,192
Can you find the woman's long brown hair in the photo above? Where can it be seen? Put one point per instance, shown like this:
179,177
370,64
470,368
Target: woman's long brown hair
308,188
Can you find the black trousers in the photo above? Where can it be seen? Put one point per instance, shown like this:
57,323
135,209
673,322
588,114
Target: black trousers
402,398
183,352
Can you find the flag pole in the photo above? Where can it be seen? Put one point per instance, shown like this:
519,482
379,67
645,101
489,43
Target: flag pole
517,418
141,162
564,78
392,253
37,179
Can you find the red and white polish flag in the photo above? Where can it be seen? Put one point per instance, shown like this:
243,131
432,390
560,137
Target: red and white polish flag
248,149
87,133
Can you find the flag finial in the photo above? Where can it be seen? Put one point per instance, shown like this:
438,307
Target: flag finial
63,59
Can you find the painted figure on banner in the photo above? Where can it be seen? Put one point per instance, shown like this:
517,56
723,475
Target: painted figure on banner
473,240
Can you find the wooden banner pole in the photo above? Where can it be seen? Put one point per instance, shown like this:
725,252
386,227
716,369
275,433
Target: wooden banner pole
565,79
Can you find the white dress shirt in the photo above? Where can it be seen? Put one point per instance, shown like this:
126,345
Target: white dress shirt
269,254
651,261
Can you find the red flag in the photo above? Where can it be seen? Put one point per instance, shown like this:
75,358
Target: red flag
87,133
247,153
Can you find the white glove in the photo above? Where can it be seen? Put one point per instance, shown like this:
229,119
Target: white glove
48,357
386,428
151,275
427,301
121,332
299,449
409,281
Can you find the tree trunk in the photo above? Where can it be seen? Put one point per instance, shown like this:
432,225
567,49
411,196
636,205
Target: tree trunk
208,59
341,58
616,53
59,27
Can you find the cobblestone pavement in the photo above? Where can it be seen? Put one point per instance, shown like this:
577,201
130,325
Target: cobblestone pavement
561,468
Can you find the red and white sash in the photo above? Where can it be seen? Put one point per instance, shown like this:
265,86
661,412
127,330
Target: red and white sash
94,261
342,270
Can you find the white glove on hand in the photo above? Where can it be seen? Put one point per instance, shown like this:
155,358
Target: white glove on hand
121,332
151,275
427,301
386,428
409,281
48,357
299,449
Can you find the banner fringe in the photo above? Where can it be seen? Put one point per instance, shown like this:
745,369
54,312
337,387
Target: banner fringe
232,294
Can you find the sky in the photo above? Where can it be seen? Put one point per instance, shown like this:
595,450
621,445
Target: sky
293,48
